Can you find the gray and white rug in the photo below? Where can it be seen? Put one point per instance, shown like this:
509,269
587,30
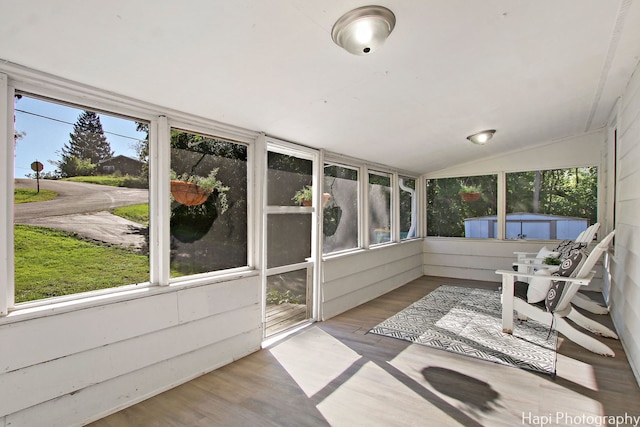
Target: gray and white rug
468,321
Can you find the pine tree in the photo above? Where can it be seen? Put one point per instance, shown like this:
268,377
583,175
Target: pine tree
87,141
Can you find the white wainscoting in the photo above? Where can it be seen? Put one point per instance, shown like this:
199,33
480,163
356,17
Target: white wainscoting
625,263
356,278
75,367
478,259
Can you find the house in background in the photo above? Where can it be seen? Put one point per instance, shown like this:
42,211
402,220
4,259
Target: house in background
276,98
122,164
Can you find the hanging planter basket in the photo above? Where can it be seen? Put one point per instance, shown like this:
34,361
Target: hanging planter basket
470,197
188,193
189,224
325,200
331,220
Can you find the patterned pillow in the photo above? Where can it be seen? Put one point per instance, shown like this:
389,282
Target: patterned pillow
566,248
568,268
563,245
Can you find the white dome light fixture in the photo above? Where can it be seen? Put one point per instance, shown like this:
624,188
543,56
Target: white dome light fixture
363,30
481,137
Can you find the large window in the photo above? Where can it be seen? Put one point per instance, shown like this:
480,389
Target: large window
208,218
462,206
81,200
408,208
340,213
551,204
379,207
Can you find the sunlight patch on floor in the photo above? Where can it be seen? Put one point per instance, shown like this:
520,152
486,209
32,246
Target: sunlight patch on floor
345,386
488,392
356,401
314,359
577,372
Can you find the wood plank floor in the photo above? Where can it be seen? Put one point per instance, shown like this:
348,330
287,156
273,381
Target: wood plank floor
284,316
334,374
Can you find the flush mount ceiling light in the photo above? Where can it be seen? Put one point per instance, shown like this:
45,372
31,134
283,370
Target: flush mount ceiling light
363,30
481,137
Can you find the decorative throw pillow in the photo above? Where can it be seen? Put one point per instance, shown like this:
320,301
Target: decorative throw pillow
545,253
563,245
568,247
539,286
569,267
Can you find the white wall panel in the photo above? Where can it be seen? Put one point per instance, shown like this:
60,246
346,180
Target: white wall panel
625,263
29,386
356,278
50,337
97,401
478,259
365,294
91,347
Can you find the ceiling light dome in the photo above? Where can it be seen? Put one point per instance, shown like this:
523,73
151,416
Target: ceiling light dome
481,137
363,30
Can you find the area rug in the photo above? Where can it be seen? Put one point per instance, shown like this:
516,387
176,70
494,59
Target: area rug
468,321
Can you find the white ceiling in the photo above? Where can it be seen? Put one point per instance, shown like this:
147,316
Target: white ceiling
535,70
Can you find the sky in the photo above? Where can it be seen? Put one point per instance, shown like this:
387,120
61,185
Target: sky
46,133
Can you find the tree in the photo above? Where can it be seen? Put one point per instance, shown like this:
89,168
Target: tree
87,143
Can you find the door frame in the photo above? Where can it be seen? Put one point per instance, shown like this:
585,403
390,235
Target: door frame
315,260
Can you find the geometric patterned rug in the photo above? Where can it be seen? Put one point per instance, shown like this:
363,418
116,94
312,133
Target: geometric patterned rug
468,321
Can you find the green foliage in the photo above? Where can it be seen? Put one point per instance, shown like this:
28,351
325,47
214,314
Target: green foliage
209,183
75,166
277,297
87,145
206,145
28,195
303,195
550,260
51,263
446,211
470,188
112,180
136,213
567,192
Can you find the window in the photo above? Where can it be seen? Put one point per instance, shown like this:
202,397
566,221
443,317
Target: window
379,207
551,204
76,228
208,218
462,207
408,208
340,213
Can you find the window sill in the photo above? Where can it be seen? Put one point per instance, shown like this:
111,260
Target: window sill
50,307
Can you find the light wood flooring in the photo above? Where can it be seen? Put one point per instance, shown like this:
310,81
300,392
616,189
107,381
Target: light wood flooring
284,316
335,374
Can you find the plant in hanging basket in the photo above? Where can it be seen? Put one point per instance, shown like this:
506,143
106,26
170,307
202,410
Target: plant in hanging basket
304,196
191,221
331,219
470,193
193,190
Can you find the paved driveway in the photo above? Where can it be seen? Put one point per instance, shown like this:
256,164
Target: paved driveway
83,208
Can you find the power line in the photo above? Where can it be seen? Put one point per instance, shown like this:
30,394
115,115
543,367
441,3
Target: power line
68,123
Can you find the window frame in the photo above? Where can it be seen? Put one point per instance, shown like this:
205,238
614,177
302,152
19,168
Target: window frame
17,79
329,161
394,201
165,234
501,196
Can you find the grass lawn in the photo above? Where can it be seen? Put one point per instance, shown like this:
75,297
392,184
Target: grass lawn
28,195
114,181
135,213
51,263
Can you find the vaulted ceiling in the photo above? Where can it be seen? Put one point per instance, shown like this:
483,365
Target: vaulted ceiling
535,70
